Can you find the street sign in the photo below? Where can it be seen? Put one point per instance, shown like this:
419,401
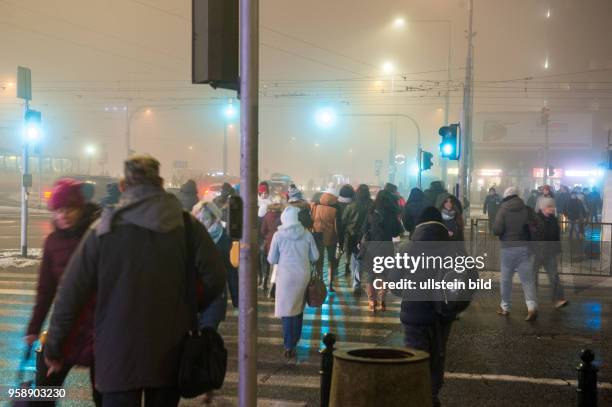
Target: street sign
27,180
24,83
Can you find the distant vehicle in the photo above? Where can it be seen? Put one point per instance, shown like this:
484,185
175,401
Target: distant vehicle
210,192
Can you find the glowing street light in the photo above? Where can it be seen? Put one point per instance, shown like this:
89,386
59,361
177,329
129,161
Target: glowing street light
546,63
229,111
33,123
399,22
387,67
325,118
90,150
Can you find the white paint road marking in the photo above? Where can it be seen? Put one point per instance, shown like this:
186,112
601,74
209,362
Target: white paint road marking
313,382
519,379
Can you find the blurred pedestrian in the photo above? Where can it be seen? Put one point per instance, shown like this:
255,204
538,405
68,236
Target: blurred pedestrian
135,265
72,217
533,199
325,231
263,198
209,215
426,328
512,225
412,209
222,201
346,196
381,226
562,198
435,194
490,206
292,249
453,218
595,205
269,225
112,195
296,198
548,235
188,195
353,218
575,214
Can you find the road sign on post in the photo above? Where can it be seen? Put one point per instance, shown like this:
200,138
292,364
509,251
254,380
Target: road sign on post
24,83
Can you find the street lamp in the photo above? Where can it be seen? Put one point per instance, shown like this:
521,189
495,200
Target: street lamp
325,117
387,67
90,151
399,22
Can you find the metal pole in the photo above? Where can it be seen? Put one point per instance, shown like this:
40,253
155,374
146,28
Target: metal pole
546,119
464,167
249,248
225,148
24,192
39,176
420,163
444,162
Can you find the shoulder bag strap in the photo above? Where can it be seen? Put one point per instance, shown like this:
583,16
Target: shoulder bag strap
190,271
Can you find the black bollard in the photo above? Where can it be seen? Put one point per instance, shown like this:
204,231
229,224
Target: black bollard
587,380
327,364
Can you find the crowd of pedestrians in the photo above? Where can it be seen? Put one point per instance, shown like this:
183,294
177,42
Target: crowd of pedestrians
128,257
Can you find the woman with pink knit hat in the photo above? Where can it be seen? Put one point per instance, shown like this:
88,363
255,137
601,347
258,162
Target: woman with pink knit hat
72,217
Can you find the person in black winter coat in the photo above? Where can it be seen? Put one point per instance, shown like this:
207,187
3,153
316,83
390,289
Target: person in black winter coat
345,197
490,206
425,328
575,214
413,208
382,225
188,195
135,265
548,235
453,218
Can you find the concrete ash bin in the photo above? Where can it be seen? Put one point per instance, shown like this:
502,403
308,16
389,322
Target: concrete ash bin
385,377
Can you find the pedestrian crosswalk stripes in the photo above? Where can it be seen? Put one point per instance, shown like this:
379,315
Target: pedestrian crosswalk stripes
281,384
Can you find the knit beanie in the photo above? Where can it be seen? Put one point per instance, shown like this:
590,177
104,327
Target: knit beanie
66,193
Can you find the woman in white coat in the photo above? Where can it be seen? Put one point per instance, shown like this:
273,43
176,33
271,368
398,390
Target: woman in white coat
293,249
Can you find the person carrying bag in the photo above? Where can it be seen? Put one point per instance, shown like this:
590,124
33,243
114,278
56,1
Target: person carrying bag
203,360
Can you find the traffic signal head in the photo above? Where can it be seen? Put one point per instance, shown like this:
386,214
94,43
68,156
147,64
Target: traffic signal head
449,147
33,124
426,161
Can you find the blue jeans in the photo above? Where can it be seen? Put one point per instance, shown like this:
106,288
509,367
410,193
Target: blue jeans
355,272
292,330
517,259
575,229
550,265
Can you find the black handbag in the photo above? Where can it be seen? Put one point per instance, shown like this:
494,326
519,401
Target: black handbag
203,359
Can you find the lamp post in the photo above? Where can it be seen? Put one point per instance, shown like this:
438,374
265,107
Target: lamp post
393,115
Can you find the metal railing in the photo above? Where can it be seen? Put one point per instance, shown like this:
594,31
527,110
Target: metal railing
588,252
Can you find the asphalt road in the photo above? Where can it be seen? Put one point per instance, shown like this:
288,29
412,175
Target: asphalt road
39,226
492,361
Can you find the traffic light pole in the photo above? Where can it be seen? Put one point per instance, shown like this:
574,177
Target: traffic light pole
466,139
249,245
25,159
420,162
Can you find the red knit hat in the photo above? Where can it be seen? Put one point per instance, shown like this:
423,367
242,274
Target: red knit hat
263,188
66,193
